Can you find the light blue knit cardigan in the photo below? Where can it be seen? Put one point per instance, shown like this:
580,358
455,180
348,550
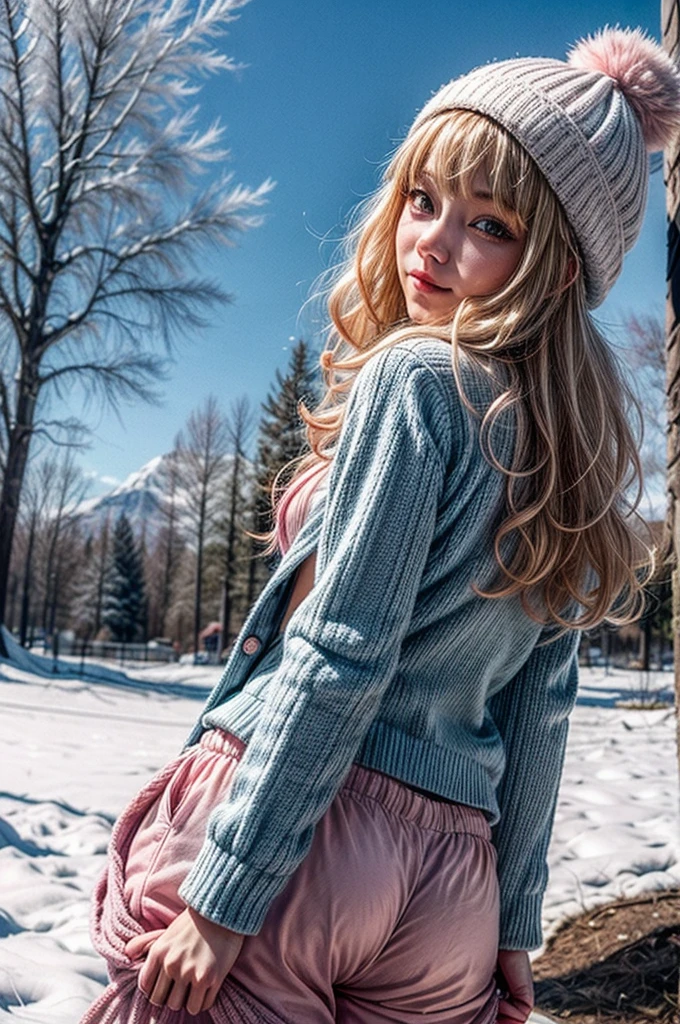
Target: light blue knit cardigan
391,660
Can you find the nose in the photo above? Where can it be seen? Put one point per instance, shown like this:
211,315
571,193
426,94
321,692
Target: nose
434,241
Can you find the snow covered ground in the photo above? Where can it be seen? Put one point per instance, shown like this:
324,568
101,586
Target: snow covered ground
75,751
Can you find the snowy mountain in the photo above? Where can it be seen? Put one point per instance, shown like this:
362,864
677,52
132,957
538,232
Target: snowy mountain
140,497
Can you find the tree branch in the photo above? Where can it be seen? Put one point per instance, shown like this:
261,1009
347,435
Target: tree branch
21,118
118,377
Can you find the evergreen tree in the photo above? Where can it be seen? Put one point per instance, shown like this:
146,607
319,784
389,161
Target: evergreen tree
124,595
281,437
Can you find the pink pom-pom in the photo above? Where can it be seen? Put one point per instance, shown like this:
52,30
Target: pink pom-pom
644,73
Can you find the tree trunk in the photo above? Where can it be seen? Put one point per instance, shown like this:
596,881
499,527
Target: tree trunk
199,586
50,577
101,576
12,597
670,27
225,615
26,597
15,470
670,24
168,569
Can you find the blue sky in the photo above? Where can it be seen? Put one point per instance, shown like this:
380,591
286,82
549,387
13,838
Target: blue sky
328,91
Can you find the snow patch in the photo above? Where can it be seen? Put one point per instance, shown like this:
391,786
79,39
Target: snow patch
76,750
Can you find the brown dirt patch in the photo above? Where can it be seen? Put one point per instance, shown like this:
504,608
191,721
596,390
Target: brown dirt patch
616,963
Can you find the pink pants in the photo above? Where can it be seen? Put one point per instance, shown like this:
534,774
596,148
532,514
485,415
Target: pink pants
392,915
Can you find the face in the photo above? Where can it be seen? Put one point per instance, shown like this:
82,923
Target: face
449,248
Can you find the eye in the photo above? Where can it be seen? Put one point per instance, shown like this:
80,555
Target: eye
420,200
492,227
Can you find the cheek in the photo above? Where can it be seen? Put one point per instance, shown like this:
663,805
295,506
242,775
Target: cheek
404,242
490,270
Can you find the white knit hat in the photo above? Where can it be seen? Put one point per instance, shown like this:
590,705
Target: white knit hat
588,123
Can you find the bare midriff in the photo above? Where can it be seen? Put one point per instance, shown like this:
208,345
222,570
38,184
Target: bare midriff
304,581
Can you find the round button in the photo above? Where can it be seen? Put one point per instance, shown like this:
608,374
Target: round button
251,645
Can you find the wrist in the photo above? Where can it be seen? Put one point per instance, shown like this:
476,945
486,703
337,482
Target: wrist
207,924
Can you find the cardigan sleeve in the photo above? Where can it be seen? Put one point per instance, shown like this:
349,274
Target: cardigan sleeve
531,713
342,643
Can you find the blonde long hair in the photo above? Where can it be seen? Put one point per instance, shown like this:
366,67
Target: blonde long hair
575,455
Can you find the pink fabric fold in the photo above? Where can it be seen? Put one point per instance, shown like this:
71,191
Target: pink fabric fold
392,915
112,926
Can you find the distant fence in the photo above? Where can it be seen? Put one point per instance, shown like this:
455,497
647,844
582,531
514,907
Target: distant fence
110,650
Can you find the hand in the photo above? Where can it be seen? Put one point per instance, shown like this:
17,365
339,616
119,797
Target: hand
514,977
186,963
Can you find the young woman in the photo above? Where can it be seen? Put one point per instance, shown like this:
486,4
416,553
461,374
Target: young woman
357,828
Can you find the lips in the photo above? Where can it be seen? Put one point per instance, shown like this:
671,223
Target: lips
423,282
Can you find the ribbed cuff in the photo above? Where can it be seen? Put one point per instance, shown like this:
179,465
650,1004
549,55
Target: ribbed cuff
226,891
521,924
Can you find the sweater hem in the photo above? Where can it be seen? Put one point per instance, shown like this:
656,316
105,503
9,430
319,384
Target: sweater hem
442,771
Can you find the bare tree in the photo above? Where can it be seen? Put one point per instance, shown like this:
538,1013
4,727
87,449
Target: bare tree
200,452
35,497
647,345
180,616
240,425
167,548
68,490
89,589
47,538
101,214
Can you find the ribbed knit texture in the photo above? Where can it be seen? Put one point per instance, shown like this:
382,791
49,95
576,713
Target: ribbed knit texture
584,137
392,661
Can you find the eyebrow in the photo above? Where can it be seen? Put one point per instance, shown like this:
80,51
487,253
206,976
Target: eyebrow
477,194
480,193
486,196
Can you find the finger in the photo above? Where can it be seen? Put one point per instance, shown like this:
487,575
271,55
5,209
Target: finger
160,989
146,978
196,998
209,998
508,1013
177,997
521,1003
138,946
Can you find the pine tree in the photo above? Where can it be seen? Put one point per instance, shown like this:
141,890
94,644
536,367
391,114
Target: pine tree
282,430
124,594
281,436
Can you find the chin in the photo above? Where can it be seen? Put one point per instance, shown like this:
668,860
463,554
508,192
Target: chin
428,318
430,315
418,315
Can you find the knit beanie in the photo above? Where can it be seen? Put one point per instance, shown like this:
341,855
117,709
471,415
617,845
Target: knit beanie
588,124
